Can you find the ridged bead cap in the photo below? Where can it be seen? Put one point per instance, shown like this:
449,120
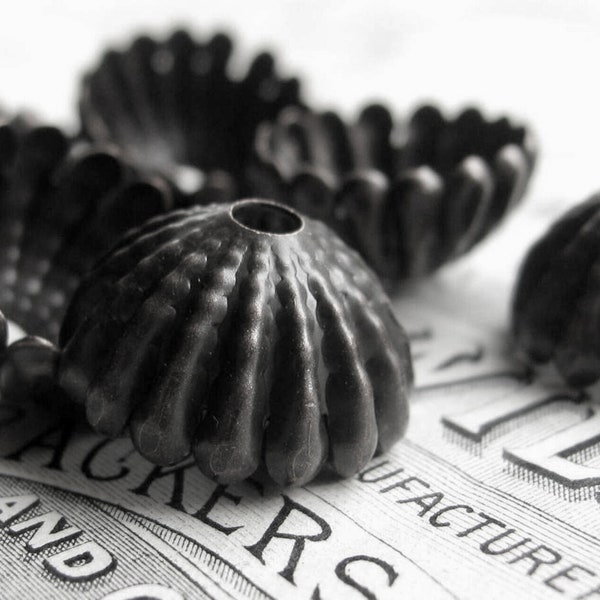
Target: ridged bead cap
242,333
173,106
556,304
408,196
63,204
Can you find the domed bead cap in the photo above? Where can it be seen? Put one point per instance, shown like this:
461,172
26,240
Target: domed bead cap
408,197
556,305
242,333
172,105
62,206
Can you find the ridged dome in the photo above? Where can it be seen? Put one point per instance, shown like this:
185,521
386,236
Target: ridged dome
172,105
556,305
407,197
242,333
62,205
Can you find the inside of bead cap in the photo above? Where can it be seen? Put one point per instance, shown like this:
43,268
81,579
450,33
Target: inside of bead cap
263,216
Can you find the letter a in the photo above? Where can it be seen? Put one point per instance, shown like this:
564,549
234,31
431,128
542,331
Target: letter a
12,507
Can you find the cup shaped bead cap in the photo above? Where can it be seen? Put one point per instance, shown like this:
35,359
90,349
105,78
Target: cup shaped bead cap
408,196
62,206
556,304
242,333
172,106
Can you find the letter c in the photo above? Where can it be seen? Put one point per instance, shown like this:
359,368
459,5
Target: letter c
434,518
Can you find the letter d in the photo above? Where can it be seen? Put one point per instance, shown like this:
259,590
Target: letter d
81,563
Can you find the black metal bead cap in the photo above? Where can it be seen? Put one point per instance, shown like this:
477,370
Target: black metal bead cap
62,205
173,106
408,197
556,304
242,333
28,373
3,336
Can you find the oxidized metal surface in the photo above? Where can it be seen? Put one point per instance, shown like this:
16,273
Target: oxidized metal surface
409,197
242,333
173,107
556,305
62,205
27,372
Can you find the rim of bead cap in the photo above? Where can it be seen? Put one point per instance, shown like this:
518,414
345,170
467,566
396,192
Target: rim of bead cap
408,195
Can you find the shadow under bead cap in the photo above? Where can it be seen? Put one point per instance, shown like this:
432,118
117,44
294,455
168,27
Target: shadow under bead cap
173,106
28,376
556,303
28,370
242,333
408,196
62,206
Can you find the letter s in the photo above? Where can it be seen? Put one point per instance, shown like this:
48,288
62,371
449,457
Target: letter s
343,575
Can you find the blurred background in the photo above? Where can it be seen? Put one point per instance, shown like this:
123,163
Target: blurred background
535,60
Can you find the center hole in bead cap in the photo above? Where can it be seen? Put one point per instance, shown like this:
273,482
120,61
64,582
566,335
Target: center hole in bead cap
266,217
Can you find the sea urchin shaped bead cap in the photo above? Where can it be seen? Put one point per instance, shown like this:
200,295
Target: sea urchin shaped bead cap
240,332
173,107
556,306
407,203
62,206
